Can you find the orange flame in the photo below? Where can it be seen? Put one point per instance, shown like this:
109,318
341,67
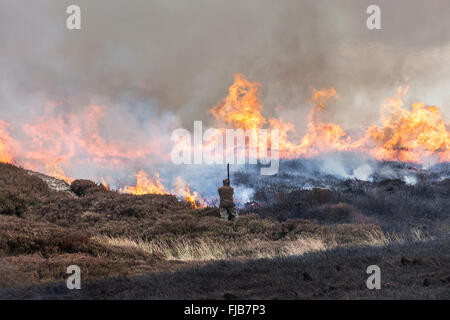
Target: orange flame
54,169
241,108
410,135
5,143
102,150
322,136
145,185
193,198
404,135
57,142
104,184
53,144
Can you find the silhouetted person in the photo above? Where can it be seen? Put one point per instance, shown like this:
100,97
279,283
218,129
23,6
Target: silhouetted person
227,208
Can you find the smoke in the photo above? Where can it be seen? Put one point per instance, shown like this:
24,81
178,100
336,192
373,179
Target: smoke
153,66
183,55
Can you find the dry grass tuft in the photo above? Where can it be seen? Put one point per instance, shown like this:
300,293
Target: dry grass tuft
204,249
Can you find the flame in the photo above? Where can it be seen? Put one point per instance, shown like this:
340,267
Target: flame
322,136
104,184
410,135
241,108
53,144
6,143
58,142
102,150
54,169
145,185
404,135
193,198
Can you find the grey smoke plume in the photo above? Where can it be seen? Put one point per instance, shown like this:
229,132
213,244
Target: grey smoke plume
182,54
158,65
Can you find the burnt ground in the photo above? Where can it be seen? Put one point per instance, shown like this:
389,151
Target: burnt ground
289,243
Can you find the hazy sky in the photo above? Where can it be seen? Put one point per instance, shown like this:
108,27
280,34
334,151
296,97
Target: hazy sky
152,57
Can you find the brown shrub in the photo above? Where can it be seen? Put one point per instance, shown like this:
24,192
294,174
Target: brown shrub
319,196
19,236
30,269
84,187
12,203
19,190
336,213
312,197
389,185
